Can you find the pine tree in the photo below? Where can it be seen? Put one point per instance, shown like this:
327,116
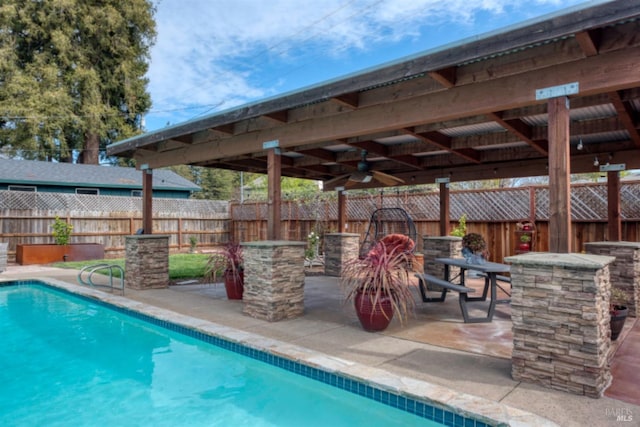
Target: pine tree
72,75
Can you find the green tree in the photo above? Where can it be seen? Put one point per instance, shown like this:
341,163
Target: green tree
290,188
216,184
72,75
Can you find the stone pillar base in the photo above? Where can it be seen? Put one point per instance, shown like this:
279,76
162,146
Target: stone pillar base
3,256
624,271
339,248
560,315
440,247
273,279
146,261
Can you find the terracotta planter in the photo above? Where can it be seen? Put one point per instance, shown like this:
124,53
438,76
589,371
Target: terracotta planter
617,322
27,254
373,318
234,288
524,246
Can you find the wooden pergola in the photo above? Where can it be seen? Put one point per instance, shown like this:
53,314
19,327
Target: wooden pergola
552,97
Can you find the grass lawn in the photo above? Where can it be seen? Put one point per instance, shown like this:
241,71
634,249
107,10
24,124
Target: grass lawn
181,266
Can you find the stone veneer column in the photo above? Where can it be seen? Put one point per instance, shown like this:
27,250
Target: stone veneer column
624,271
3,256
440,247
560,315
339,248
273,279
146,261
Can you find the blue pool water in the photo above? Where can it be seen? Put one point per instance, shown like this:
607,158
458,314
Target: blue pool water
67,360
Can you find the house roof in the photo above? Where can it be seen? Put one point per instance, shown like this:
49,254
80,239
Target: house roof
28,172
476,109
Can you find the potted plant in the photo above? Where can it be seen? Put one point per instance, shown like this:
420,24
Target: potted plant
229,261
313,242
618,311
378,284
474,248
461,229
524,226
61,231
525,242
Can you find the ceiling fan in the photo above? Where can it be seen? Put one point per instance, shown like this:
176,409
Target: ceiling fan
364,174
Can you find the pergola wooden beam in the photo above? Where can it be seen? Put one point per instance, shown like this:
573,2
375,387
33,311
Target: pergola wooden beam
520,129
274,194
614,218
445,76
278,116
444,142
445,209
559,176
627,116
619,67
349,100
147,201
589,41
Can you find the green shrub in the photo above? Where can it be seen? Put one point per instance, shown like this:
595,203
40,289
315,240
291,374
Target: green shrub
61,231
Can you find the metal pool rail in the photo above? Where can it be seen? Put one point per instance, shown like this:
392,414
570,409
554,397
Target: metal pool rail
91,269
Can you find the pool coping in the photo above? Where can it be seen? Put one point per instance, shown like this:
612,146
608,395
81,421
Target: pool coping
482,410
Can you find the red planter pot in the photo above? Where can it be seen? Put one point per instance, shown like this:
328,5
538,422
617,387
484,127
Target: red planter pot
234,287
373,318
524,247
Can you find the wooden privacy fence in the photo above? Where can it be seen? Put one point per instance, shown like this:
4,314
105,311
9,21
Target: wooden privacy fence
27,218
492,213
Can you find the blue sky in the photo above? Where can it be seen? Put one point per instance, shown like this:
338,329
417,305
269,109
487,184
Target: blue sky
213,55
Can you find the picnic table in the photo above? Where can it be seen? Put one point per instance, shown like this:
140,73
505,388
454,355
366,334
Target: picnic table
491,271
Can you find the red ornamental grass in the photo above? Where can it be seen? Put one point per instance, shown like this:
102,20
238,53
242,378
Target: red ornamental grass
384,271
228,260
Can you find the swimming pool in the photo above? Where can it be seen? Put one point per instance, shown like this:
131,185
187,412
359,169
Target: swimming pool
169,373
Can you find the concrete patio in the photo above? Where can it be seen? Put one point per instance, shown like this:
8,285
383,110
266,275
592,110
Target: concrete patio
435,346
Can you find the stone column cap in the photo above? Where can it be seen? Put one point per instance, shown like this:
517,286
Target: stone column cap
634,245
342,234
271,243
147,236
572,260
452,238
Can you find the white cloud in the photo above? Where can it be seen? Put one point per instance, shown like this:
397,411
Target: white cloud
221,53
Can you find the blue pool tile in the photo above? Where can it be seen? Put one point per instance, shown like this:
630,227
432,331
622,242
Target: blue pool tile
448,418
410,406
430,412
393,400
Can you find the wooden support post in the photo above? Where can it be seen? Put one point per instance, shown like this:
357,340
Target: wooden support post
342,212
274,198
147,201
444,208
614,227
559,176
532,205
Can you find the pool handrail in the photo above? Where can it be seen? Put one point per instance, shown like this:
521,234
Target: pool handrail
90,269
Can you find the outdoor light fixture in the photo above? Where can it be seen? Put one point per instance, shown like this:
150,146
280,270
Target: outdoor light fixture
580,145
596,162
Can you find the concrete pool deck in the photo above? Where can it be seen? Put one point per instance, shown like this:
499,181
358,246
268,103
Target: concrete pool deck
435,347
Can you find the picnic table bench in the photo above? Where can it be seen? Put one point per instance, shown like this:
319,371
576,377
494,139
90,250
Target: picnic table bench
424,280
